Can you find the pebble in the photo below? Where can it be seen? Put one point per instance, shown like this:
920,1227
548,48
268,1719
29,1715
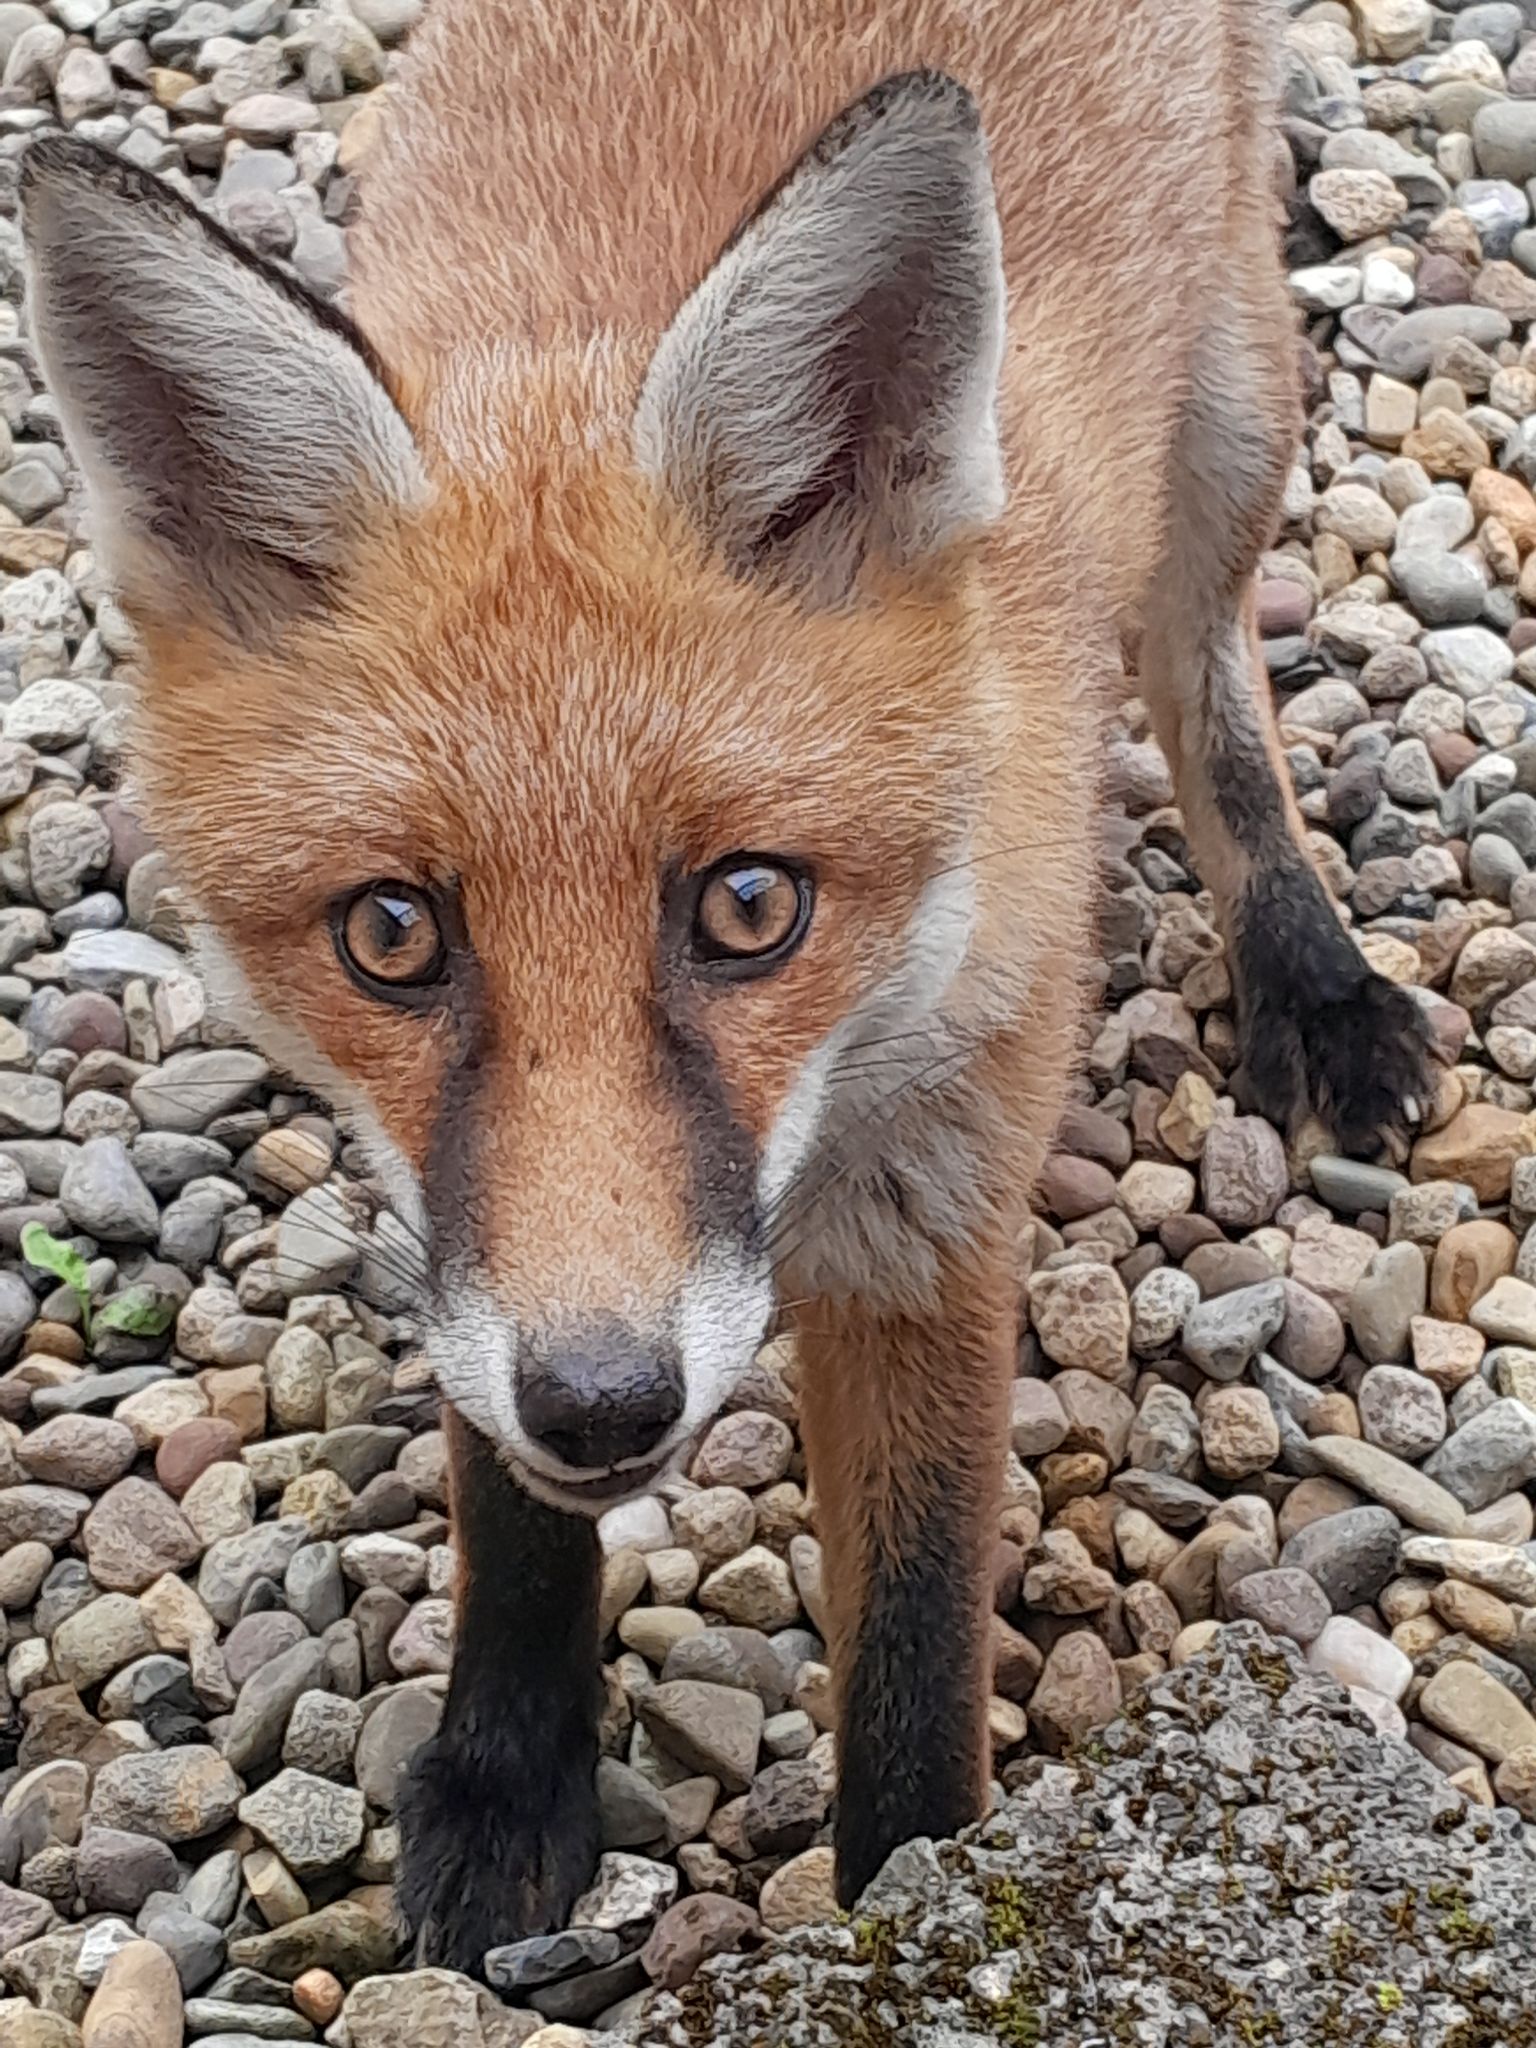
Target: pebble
1351,1555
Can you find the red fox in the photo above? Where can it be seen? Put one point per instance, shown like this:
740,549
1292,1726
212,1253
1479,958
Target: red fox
626,713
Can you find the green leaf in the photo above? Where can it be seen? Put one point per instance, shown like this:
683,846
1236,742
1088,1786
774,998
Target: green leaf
42,1249
138,1312
39,1247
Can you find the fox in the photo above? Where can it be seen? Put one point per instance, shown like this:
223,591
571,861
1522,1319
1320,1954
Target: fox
625,702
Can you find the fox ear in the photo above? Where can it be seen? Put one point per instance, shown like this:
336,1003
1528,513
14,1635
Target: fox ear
829,391
231,431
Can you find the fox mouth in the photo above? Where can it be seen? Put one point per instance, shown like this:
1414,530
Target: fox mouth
586,1492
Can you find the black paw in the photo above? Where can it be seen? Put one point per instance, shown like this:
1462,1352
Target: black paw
1322,1032
482,1864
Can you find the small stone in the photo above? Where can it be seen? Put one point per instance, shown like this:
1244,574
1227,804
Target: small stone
1082,1317
710,1729
1472,1707
1400,1411
1285,1601
1221,1336
754,1590
428,2009
174,1794
696,1928
747,1449
1238,1432
1355,1655
117,1870
1078,1691
138,2002
629,1892
1243,1172
801,1892
313,1824
546,1958
1492,1454
1351,1555
1384,1300
87,1451
135,1533
405,1718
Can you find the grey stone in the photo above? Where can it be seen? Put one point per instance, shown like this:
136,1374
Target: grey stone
312,1824
546,1958
116,1870
104,1196
191,1089
407,1716
255,1734
1351,1555
1221,1336
1492,1454
1350,1187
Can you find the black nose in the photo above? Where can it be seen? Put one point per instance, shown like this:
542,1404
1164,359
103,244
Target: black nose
600,1401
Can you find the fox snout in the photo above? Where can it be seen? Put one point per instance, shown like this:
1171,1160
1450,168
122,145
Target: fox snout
603,1400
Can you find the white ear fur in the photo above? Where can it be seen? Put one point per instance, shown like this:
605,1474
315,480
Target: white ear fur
230,430
829,391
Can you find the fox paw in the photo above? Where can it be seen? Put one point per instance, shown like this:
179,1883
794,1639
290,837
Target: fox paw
485,1863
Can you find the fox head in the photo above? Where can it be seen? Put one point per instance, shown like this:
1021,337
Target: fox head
574,762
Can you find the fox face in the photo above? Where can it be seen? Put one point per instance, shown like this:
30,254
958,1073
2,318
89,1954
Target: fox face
575,766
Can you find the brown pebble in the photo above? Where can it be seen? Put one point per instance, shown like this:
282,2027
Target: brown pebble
318,1996
191,1447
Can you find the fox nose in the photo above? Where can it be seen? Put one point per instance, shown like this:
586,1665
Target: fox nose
602,1401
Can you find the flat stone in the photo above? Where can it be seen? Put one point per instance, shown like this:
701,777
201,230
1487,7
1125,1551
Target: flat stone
1286,1601
352,1938
1466,1703
1496,1567
546,1958
1411,1495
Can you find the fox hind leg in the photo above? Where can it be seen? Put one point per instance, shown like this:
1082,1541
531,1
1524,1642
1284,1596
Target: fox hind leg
1320,1030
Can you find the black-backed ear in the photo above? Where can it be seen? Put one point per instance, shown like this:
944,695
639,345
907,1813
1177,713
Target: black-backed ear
232,432
829,392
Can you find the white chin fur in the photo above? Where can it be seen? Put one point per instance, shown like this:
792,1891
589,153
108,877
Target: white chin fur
719,1323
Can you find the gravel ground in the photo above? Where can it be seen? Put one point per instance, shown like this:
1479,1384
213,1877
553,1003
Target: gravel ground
1256,1382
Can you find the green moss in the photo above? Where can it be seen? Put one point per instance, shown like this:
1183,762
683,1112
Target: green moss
1272,1673
1016,2020
1388,1997
1012,1912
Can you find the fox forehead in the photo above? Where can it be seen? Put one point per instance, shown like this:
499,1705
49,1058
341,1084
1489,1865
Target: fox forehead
505,690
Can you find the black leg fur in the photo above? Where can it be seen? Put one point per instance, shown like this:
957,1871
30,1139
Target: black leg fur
912,1724
1321,1030
499,1828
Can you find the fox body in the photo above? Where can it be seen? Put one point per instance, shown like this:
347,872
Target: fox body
625,715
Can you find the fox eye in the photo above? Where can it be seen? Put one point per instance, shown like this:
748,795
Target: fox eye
750,913
389,936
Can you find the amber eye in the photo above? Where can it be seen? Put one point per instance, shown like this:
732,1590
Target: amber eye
750,913
390,938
